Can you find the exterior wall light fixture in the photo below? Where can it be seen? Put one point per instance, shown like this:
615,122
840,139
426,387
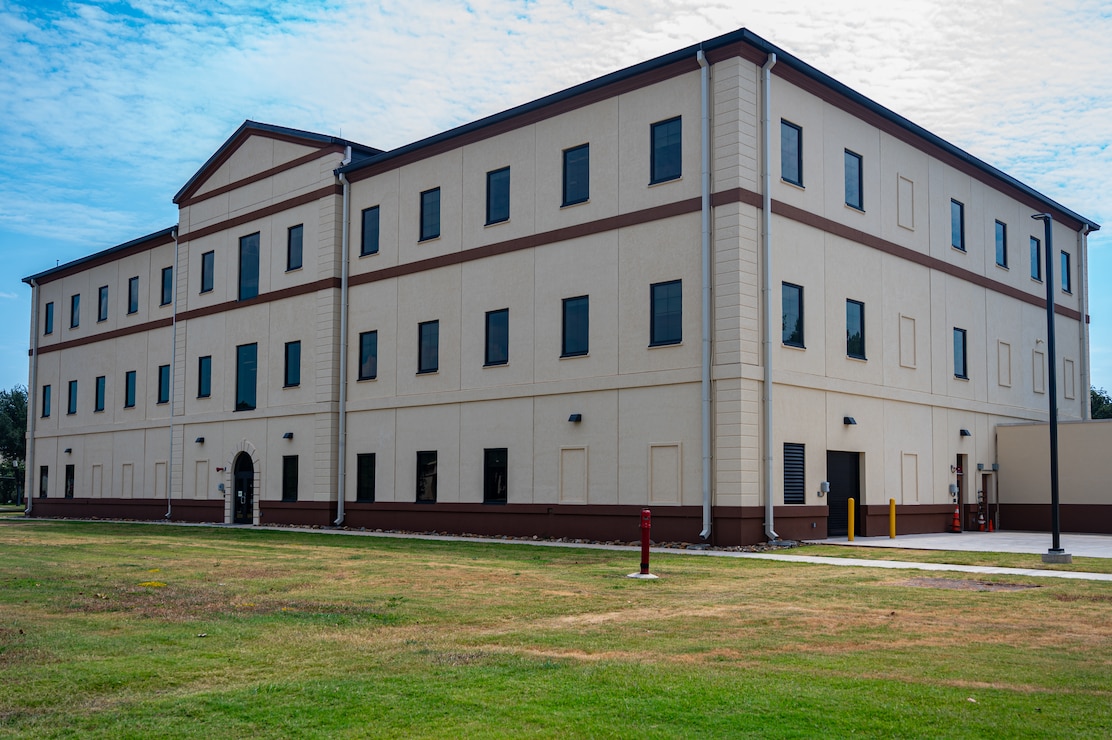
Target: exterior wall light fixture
849,421
575,418
287,435
966,433
200,440
68,450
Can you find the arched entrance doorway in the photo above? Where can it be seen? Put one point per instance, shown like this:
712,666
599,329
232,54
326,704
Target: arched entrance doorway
243,506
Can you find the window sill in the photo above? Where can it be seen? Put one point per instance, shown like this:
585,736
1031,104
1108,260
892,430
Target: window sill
856,358
101,321
658,345
497,223
855,209
428,239
786,345
201,398
1067,292
1037,280
161,403
204,292
575,355
434,371
291,385
98,411
369,377
797,185
132,313
654,183
962,377
574,203
1003,267
367,254
504,363
958,249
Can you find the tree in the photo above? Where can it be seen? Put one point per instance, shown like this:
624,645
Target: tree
1100,403
13,424
13,437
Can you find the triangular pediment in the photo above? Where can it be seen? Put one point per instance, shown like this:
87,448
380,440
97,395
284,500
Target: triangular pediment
254,150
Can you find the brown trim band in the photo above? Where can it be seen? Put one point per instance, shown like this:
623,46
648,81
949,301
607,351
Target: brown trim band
647,215
233,145
276,295
270,210
820,91
875,242
109,256
635,218
333,149
620,87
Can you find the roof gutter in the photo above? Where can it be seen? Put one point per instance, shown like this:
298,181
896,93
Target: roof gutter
341,437
704,79
766,293
32,394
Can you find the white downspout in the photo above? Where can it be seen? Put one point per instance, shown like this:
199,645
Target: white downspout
341,440
766,291
173,372
1083,287
704,74
32,393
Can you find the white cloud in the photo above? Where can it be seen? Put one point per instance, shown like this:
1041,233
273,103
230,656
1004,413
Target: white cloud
109,107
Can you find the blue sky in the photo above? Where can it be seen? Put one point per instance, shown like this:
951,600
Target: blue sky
107,108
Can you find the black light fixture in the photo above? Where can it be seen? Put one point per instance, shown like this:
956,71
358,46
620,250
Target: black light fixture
575,418
68,450
287,435
200,440
966,433
849,421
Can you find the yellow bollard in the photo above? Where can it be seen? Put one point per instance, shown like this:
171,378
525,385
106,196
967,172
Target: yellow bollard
892,518
849,526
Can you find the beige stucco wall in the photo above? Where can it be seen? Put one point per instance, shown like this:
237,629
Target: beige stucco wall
1083,463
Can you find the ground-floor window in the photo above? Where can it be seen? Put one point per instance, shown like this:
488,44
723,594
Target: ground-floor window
44,479
289,477
70,476
365,477
426,477
494,476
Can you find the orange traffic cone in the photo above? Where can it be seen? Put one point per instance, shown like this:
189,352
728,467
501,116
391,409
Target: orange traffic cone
990,525
981,521
956,526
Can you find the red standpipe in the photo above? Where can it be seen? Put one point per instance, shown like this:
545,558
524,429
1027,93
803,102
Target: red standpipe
646,525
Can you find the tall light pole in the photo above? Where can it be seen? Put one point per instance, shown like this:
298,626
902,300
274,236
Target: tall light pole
1055,554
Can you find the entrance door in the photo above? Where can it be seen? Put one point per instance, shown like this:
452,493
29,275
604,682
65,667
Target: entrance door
843,471
243,507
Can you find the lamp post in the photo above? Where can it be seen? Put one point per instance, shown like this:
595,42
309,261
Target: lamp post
1055,554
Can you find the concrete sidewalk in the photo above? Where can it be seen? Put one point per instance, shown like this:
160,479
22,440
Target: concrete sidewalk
1029,542
1036,543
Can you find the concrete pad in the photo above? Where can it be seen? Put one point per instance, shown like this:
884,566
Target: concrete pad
1034,543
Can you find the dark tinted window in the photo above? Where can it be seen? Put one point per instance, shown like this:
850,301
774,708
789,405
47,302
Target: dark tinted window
369,241
1001,244
204,376
957,225
791,306
365,477
430,214
294,237
98,404
289,477
855,329
133,295
248,266
498,196
102,303
167,286
959,353
293,364
666,160
246,376
494,476
577,174
163,383
208,270
791,153
576,326
426,477
428,347
854,198
497,337
129,389
368,355
666,313
48,319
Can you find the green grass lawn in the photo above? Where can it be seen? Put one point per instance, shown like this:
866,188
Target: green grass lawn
122,631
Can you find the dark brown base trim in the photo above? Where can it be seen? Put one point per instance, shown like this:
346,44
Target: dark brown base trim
1086,518
732,525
